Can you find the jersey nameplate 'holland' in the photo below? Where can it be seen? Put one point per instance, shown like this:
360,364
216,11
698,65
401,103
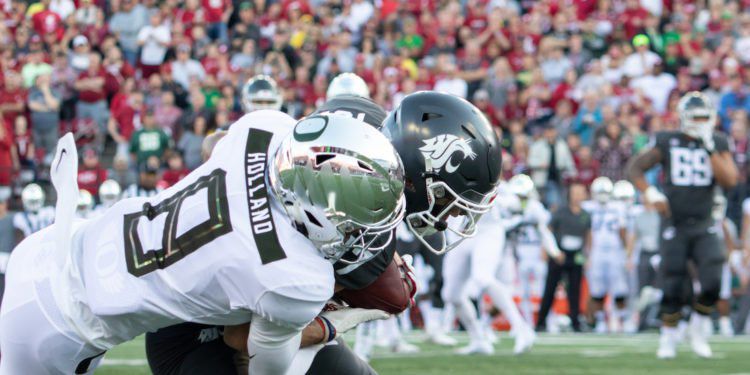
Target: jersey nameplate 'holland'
209,249
689,180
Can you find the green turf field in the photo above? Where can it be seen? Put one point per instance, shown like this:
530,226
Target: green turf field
553,354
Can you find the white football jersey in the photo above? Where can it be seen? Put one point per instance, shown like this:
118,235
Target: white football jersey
528,240
30,222
606,221
213,249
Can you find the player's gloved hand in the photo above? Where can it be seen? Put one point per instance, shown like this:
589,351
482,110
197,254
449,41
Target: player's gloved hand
339,319
707,136
408,276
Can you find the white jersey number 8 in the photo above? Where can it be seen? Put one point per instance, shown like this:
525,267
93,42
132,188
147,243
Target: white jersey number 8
690,167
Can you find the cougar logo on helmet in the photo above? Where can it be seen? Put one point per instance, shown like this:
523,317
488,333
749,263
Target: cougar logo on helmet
441,149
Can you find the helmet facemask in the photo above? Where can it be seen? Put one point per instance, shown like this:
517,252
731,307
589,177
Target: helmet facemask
697,115
444,203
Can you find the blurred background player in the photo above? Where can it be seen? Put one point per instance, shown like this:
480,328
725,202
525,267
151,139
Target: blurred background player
645,246
624,193
526,240
261,92
571,226
727,233
606,264
109,194
347,84
35,215
85,206
695,160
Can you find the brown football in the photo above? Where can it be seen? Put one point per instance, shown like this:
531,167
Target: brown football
389,292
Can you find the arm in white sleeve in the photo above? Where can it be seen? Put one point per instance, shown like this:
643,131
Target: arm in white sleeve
548,241
276,330
271,346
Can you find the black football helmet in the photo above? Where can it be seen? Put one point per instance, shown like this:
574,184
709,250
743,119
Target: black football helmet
452,160
261,92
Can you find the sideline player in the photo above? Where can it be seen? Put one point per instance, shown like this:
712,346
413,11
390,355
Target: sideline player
35,215
606,265
267,208
695,160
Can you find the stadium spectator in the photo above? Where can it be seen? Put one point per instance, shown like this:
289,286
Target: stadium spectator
191,141
35,66
185,69
24,143
216,14
92,96
8,156
588,118
44,106
7,234
153,39
148,179
167,113
148,141
175,172
642,60
550,163
451,83
121,171
125,119
656,86
612,150
126,23
91,174
736,98
12,98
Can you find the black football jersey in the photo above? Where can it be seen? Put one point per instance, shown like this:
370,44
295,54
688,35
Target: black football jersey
688,178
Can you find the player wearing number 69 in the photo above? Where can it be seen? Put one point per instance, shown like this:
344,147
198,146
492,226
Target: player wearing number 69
249,235
695,160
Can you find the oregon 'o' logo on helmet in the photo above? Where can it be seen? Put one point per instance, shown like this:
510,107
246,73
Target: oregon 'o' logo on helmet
441,149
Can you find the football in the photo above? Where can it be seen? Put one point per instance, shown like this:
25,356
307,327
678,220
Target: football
390,292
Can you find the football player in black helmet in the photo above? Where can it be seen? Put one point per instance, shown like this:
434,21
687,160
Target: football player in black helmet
261,92
696,160
452,159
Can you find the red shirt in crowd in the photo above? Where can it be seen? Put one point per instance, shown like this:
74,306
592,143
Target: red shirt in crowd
172,176
633,20
89,95
89,179
47,22
586,172
18,95
126,116
214,9
23,146
6,160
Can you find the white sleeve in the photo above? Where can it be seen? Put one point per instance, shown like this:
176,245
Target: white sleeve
275,332
271,346
746,206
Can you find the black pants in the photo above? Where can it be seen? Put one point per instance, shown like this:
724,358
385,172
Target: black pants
555,272
339,360
679,244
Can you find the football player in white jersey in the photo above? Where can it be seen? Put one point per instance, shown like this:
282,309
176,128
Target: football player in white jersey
109,194
85,206
347,84
474,263
527,239
35,215
261,92
624,192
727,233
606,264
248,236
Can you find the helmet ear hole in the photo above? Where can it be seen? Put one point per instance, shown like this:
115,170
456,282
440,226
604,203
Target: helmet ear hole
322,158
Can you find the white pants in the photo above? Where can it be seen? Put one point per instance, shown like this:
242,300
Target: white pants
532,275
606,274
34,338
726,282
473,263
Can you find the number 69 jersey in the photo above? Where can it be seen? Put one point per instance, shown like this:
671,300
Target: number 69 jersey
689,180
212,249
